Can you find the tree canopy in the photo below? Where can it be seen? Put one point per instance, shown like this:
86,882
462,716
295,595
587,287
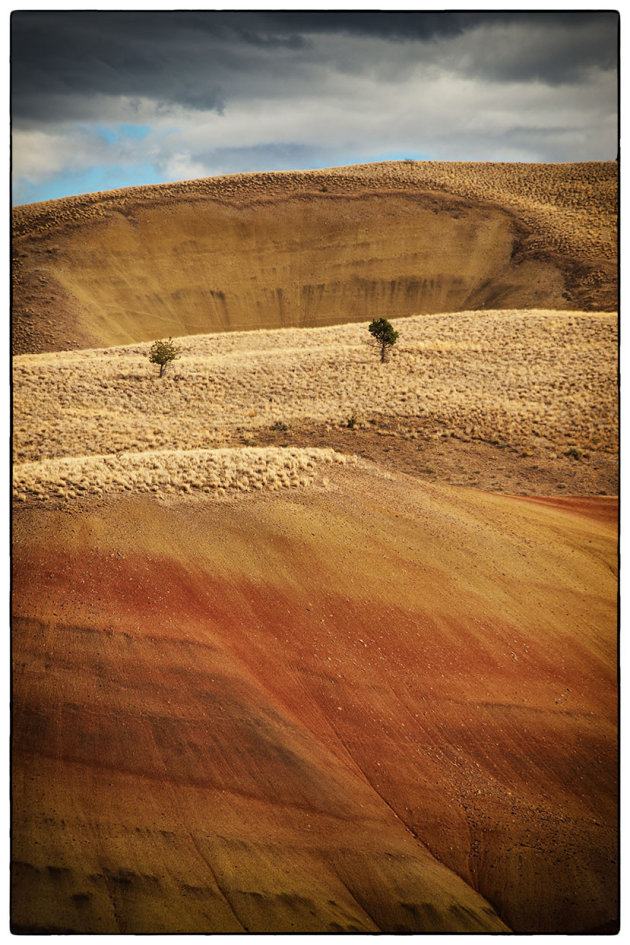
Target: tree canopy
162,352
384,335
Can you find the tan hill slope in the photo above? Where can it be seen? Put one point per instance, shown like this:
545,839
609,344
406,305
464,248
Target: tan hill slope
514,401
312,248
375,705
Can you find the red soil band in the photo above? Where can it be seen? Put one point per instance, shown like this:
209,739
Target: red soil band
391,707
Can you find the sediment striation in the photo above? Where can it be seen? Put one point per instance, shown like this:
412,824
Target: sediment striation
380,706
312,248
303,642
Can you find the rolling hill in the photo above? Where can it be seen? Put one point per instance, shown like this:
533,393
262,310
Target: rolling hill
372,704
314,248
303,642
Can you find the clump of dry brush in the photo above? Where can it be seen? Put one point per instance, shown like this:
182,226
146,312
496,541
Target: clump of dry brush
220,473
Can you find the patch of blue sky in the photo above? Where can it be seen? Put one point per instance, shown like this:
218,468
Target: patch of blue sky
117,133
92,179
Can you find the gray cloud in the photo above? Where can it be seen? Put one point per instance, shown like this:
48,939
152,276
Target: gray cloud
553,51
202,60
220,92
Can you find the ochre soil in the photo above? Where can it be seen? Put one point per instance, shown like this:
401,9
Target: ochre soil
382,697
314,248
384,704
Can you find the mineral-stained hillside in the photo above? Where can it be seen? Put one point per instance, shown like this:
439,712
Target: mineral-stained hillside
372,704
312,248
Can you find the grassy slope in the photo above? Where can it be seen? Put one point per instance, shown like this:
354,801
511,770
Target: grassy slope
312,248
538,383
381,705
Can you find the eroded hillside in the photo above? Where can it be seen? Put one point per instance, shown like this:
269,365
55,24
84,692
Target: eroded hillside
372,704
312,248
304,642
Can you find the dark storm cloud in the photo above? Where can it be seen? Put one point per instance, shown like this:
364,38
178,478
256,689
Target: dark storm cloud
76,55
63,62
105,99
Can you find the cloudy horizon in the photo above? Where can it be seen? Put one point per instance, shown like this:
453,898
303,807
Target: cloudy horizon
102,100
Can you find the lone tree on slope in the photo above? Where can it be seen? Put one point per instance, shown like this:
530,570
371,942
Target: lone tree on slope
162,352
384,335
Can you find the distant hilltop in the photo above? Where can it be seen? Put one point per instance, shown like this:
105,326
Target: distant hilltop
312,248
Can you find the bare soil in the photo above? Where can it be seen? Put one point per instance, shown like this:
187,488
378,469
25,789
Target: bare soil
374,705
449,457
303,643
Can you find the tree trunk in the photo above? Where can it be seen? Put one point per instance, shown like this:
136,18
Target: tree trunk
383,349
162,366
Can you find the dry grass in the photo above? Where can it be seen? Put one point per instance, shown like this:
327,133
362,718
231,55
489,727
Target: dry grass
164,473
499,376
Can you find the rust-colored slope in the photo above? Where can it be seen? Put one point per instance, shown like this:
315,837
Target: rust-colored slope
312,248
386,706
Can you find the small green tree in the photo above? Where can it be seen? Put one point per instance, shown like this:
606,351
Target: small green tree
384,335
162,352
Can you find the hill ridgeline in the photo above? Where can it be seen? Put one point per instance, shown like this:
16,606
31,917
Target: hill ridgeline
312,248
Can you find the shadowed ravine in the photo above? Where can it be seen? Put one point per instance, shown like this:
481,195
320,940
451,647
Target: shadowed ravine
382,706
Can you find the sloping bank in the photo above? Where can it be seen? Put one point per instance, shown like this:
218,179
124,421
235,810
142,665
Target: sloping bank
377,705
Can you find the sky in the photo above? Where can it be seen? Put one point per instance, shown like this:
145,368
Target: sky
108,99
